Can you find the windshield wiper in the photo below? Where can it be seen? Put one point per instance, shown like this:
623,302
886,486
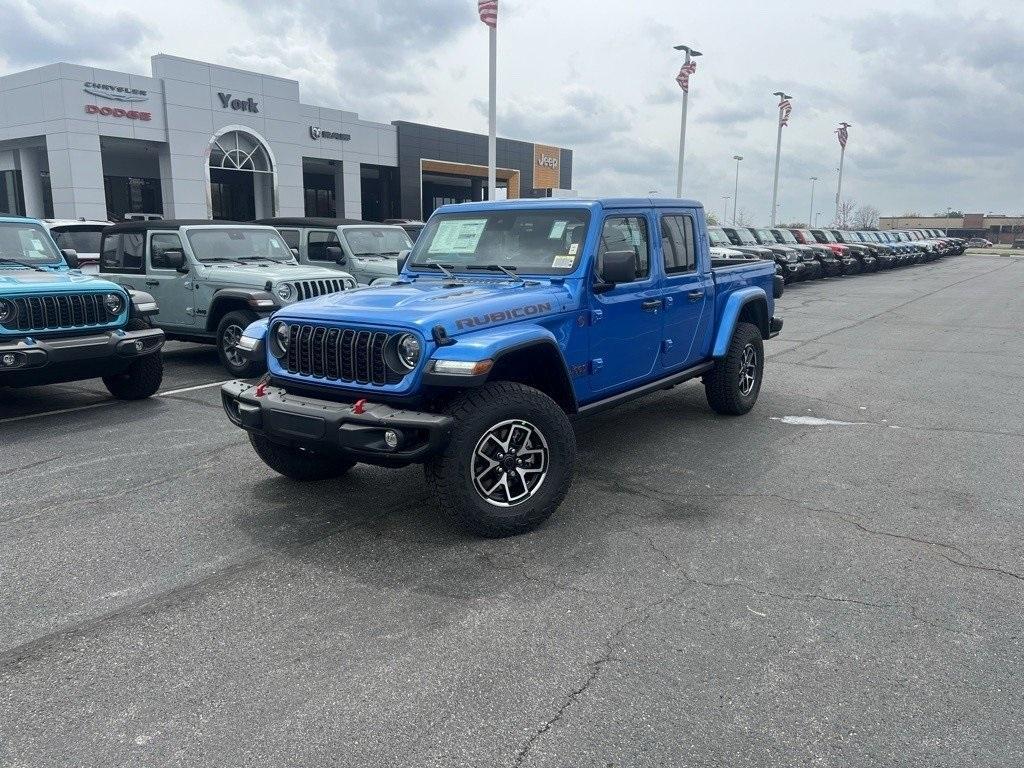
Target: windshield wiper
27,265
510,271
445,268
222,258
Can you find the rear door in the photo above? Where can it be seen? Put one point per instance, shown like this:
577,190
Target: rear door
686,291
174,292
626,328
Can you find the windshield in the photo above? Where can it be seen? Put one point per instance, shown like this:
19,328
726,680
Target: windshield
838,236
27,243
539,242
718,238
377,241
822,236
744,236
81,239
765,236
786,235
238,244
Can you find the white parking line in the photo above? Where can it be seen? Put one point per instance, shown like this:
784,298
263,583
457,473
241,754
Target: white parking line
108,402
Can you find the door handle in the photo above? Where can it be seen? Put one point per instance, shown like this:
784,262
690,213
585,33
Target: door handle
152,283
651,305
696,295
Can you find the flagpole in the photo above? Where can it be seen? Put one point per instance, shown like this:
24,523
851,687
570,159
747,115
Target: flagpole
682,121
492,134
778,156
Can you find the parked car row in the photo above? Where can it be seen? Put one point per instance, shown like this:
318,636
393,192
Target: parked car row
810,254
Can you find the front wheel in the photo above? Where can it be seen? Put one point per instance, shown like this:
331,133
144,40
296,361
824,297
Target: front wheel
229,334
733,384
509,459
141,379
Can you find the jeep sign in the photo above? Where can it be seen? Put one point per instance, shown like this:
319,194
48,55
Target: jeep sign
547,162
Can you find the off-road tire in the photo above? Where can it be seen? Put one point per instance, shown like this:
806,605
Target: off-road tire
722,383
142,378
240,318
474,413
298,463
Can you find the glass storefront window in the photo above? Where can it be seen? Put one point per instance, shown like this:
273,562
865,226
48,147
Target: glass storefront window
12,198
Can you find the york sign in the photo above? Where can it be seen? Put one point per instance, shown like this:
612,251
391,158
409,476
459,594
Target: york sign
249,105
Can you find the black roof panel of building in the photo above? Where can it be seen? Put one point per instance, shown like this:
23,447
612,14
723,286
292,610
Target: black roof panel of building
309,221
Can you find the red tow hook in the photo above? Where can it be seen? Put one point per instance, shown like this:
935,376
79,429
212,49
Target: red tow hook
261,386
359,406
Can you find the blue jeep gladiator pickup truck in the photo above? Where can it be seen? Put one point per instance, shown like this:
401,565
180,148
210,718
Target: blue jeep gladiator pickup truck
57,324
507,319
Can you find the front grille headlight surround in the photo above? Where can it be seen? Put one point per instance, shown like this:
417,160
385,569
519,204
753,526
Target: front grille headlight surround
278,338
285,292
114,303
403,353
8,311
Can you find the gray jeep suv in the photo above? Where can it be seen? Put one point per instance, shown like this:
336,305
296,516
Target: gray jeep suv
211,279
368,250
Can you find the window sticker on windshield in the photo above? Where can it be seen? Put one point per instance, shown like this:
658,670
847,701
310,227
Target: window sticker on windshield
563,261
457,236
573,249
557,230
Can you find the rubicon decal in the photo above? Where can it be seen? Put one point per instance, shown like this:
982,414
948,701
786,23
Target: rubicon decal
506,314
130,114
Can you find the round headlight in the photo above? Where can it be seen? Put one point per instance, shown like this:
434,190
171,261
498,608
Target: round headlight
8,311
285,292
114,303
281,333
408,348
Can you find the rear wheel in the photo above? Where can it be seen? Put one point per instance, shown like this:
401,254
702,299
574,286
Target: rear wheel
229,334
299,463
509,460
733,384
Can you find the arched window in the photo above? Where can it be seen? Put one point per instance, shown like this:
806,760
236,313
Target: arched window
240,151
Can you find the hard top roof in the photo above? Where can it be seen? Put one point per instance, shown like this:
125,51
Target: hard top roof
314,221
146,226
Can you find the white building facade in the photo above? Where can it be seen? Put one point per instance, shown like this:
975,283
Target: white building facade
193,141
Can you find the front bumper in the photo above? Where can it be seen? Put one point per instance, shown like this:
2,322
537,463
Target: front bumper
28,360
326,425
793,271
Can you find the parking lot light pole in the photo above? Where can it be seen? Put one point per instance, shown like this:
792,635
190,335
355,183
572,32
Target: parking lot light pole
736,189
810,216
725,209
684,83
784,107
842,132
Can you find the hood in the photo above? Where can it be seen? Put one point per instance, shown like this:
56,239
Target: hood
258,274
463,305
25,281
757,250
726,253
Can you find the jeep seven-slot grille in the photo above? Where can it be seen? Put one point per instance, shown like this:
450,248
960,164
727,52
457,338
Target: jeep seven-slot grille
340,354
73,310
307,289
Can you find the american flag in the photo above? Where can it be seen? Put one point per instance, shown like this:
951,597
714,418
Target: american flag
843,134
488,10
683,78
785,109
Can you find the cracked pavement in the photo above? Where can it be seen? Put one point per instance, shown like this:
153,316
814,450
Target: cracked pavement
713,591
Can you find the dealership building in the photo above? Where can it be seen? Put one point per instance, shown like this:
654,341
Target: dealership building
998,228
201,141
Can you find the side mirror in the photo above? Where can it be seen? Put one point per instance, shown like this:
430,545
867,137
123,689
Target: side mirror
403,257
335,254
618,267
175,260
71,257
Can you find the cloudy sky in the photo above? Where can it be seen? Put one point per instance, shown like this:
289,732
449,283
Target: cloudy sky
934,88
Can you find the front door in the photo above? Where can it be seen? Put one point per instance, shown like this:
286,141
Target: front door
626,325
173,291
687,307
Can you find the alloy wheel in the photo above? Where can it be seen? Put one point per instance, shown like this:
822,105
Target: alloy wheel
510,462
748,370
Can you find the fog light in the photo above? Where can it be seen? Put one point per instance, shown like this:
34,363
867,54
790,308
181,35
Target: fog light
391,438
8,360
139,346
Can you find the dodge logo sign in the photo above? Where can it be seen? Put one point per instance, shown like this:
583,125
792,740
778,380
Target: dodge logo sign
316,132
131,114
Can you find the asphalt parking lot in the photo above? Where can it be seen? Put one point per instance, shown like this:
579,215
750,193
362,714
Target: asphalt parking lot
834,579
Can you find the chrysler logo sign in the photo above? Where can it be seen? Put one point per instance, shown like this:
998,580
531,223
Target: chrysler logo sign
115,92
316,133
